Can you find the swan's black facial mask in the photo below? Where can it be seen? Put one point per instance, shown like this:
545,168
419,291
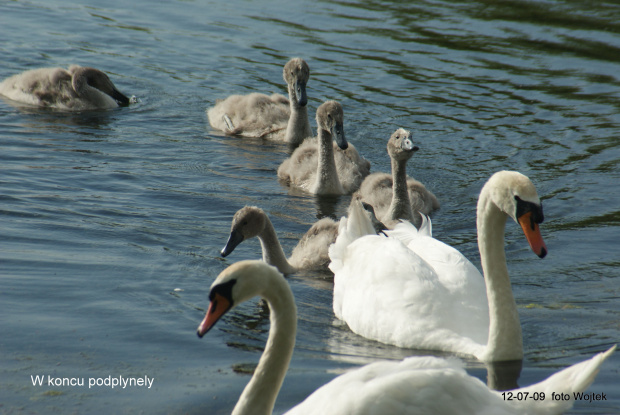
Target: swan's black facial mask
524,207
224,290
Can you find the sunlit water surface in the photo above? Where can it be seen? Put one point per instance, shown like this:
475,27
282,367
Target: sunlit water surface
112,221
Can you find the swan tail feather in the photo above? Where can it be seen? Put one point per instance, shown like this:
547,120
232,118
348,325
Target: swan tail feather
427,226
406,232
350,228
566,386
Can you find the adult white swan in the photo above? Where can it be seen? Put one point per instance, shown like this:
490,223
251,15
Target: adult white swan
78,88
271,117
423,294
322,167
417,385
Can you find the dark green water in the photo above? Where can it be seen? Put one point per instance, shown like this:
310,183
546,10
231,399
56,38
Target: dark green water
104,215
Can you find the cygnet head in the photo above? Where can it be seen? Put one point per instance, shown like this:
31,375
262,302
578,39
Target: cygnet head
98,80
296,73
247,223
330,117
400,145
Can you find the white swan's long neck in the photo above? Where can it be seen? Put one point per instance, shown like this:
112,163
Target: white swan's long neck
400,208
272,250
327,181
259,396
298,127
505,339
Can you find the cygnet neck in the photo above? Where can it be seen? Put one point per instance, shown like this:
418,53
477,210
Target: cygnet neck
272,250
327,181
400,208
298,127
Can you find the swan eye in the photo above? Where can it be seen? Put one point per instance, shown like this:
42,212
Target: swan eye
244,223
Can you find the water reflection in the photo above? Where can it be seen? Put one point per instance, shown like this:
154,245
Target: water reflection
248,325
46,119
486,85
326,206
502,376
346,347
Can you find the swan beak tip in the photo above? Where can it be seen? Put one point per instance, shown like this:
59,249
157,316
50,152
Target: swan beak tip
217,308
235,238
203,328
532,234
120,98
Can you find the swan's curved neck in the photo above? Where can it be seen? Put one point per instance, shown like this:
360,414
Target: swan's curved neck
79,83
400,208
327,181
83,90
298,127
272,250
260,394
505,339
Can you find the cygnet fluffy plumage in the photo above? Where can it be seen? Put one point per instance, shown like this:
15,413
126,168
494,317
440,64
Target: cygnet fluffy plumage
270,117
321,166
396,196
78,88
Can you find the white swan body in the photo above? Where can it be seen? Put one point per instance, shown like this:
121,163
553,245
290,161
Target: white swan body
429,385
311,253
271,117
322,167
422,294
417,385
78,88
396,196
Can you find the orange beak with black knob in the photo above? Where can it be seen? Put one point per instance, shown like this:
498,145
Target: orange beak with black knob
217,308
532,233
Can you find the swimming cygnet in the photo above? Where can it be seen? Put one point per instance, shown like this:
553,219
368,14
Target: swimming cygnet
270,117
75,89
310,254
321,166
397,196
